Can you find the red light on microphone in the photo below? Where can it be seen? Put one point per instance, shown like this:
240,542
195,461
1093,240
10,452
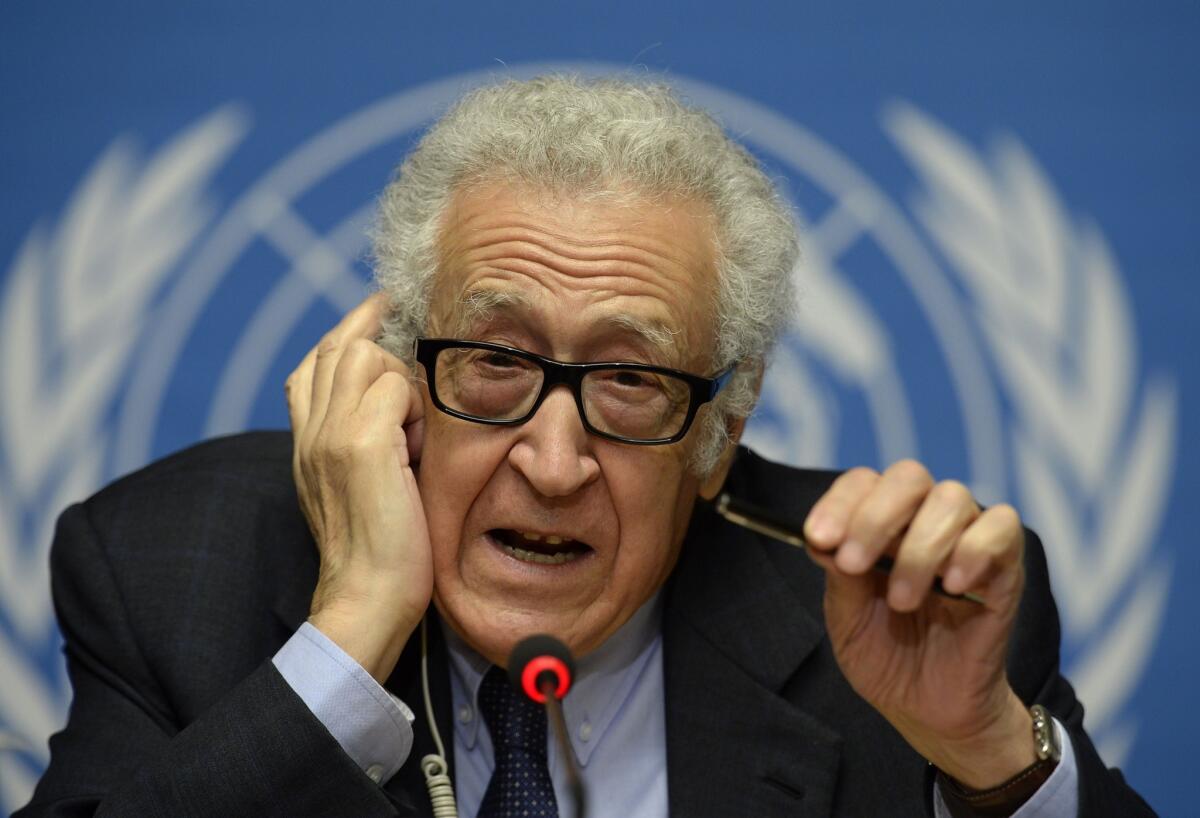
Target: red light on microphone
542,668
541,662
532,681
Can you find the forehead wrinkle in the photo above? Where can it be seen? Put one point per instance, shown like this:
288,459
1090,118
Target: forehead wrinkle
597,241
508,233
599,279
477,217
610,271
623,261
479,305
586,247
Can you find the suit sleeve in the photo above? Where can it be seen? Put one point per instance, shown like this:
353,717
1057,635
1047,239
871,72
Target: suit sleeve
257,750
1033,670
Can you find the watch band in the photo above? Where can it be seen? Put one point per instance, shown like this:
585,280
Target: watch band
998,802
1005,799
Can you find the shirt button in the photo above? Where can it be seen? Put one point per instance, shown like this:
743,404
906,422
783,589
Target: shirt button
465,714
585,730
375,772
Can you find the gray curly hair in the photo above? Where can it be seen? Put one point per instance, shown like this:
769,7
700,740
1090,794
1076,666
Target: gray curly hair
588,137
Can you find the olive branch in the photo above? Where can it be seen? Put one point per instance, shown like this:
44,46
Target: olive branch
74,301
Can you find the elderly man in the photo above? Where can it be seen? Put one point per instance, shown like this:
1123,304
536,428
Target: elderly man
580,284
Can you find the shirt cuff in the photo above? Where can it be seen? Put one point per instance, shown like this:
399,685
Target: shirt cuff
1057,797
371,725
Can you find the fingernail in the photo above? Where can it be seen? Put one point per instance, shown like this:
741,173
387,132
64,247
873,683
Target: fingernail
900,594
853,558
821,529
955,580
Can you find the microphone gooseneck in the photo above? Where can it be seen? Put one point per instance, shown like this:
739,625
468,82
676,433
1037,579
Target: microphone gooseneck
543,669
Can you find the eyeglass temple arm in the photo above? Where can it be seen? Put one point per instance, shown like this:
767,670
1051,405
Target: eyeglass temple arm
769,523
721,381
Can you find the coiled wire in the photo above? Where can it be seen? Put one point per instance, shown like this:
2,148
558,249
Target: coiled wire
434,767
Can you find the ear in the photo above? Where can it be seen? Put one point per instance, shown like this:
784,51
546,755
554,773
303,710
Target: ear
711,485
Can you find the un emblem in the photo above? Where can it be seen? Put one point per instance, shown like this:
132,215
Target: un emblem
1015,306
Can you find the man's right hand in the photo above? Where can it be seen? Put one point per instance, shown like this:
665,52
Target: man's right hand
357,421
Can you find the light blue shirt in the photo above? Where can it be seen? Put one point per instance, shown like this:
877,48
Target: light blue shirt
614,713
372,725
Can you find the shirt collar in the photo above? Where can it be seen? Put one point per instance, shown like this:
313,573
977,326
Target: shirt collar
605,678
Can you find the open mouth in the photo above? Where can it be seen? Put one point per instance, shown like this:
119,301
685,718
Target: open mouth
544,549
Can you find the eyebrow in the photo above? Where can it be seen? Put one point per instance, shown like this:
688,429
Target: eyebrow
656,333
478,305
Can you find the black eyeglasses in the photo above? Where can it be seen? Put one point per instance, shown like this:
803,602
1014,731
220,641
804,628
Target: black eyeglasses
503,386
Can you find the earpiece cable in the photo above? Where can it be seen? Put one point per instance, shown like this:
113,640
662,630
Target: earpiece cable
434,766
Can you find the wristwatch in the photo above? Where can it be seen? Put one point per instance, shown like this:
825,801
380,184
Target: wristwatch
1005,799
1045,737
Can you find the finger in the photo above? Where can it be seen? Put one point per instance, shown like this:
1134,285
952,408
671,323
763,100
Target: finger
825,527
988,558
394,413
848,597
944,515
882,515
414,431
364,321
361,363
298,391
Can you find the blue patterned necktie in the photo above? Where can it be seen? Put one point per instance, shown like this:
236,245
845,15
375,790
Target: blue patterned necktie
520,784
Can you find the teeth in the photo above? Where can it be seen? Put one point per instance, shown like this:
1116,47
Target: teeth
551,539
545,559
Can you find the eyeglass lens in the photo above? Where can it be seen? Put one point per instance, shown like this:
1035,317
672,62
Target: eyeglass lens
495,385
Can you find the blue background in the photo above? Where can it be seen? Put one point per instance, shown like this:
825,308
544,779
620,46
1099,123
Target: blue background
1104,95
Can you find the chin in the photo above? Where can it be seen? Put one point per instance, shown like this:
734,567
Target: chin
493,636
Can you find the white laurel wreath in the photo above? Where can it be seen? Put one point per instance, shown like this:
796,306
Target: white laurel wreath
1093,470
73,305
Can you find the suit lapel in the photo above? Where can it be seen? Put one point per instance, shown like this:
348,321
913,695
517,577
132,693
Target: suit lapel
734,632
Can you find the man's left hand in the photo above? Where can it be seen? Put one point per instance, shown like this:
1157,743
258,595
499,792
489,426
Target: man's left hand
933,666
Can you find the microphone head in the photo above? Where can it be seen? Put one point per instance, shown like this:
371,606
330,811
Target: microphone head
538,660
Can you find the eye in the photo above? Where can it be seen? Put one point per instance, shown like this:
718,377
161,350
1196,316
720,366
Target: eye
499,360
628,386
630,378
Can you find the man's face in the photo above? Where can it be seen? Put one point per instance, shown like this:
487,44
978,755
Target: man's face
589,279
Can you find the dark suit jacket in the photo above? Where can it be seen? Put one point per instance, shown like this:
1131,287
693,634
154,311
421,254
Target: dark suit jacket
176,585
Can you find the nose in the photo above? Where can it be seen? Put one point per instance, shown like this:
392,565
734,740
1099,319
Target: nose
553,451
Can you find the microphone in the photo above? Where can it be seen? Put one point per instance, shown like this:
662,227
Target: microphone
543,669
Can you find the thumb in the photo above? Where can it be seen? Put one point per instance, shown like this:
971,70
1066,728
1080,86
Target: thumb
414,424
414,436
